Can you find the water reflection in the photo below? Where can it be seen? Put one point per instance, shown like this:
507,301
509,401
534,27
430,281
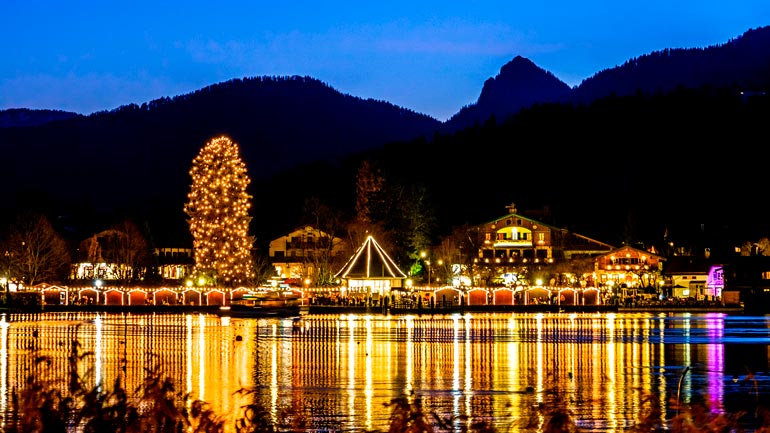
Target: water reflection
339,371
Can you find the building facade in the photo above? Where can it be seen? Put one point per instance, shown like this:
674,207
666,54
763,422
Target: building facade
306,252
627,270
517,244
699,278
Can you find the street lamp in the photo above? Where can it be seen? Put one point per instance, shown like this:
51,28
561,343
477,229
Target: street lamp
424,256
441,271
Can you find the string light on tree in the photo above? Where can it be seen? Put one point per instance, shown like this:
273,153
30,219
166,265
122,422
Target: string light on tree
218,209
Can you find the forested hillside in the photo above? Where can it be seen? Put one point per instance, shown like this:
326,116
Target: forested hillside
622,170
669,142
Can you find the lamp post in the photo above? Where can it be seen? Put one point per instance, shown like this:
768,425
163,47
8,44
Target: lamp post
4,283
441,272
424,256
98,283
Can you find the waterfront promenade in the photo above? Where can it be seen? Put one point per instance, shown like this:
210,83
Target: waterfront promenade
455,309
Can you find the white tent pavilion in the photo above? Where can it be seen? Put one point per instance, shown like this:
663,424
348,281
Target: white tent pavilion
371,271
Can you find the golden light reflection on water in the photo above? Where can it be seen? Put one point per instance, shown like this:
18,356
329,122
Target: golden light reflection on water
340,371
4,365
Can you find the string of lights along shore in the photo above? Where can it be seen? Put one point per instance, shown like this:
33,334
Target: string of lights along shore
218,206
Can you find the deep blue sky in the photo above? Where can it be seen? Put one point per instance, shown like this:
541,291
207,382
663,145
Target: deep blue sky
429,56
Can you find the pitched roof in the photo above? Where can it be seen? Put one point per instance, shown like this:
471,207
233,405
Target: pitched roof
566,232
370,261
686,265
519,216
627,248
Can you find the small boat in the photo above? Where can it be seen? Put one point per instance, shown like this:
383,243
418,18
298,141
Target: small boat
276,303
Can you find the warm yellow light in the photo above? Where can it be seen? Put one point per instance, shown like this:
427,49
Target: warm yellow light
218,205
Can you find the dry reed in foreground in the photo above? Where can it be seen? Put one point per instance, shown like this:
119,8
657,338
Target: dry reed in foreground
46,405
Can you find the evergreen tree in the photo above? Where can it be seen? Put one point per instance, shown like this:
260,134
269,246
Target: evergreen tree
369,186
218,207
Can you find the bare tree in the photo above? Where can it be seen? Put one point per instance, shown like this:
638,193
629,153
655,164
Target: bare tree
34,252
575,272
759,248
327,223
126,248
458,253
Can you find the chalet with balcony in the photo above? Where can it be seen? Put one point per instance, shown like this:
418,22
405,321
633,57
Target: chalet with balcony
515,240
298,254
626,270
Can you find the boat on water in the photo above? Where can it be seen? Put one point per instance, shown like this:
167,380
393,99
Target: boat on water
277,303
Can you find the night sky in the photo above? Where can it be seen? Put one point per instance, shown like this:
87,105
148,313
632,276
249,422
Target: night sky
428,56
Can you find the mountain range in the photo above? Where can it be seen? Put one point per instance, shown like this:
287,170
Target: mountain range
667,140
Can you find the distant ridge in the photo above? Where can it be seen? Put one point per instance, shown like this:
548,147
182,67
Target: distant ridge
142,152
520,84
742,63
617,149
24,117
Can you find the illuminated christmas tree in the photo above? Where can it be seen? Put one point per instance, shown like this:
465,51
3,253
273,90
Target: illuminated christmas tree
218,207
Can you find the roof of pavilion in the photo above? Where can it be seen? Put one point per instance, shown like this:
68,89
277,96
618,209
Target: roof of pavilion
370,261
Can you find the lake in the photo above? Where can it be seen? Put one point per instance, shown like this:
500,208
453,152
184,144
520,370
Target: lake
338,372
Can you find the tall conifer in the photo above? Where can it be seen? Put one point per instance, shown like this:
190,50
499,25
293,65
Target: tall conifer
218,209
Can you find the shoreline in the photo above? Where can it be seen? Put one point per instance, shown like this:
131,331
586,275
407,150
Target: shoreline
331,309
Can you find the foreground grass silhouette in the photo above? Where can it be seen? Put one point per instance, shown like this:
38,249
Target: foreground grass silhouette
50,406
